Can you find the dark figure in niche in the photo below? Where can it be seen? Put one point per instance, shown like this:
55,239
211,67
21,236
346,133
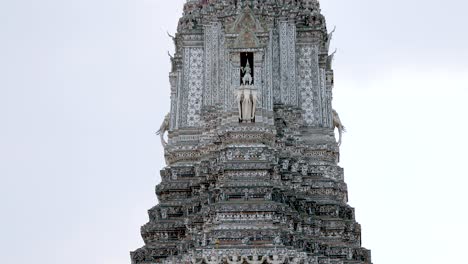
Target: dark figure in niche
247,66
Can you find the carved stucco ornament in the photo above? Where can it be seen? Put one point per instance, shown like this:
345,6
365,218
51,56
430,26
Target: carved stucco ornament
337,124
246,26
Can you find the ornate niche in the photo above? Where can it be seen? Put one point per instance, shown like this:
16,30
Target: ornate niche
247,63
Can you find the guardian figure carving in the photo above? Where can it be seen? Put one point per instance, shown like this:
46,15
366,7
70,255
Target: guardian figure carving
247,71
337,124
162,130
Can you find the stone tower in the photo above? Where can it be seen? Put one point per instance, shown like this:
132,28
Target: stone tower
252,171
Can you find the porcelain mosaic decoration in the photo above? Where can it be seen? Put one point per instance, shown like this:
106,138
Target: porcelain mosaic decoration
252,173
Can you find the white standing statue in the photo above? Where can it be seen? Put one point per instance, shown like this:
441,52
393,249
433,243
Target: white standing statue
240,100
247,100
276,260
162,130
246,106
255,94
337,124
247,71
255,259
235,260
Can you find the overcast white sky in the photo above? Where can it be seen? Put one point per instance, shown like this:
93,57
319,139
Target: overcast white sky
83,86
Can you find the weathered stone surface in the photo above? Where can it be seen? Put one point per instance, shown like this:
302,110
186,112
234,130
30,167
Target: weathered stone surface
265,188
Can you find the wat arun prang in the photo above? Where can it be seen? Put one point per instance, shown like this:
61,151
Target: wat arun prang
252,171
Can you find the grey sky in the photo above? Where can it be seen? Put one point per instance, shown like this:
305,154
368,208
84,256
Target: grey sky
83,85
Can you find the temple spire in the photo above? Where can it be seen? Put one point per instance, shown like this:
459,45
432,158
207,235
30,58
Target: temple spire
252,169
